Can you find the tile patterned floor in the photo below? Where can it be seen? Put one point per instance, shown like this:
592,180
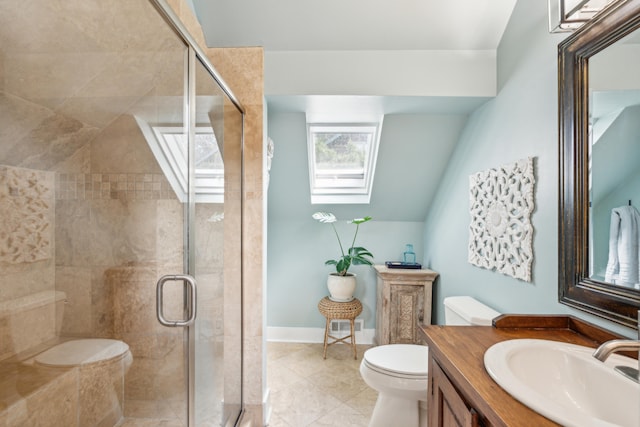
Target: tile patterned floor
308,391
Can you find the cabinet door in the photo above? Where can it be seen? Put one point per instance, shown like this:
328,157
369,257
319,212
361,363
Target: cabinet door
406,311
446,407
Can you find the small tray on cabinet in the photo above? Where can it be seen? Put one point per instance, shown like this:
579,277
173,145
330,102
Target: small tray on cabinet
401,264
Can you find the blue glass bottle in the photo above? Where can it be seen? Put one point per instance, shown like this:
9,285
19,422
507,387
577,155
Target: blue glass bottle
409,256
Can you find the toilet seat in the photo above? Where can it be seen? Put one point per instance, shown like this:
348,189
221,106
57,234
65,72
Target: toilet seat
408,361
82,352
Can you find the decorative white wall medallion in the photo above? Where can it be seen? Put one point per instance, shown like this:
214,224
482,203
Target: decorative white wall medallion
500,233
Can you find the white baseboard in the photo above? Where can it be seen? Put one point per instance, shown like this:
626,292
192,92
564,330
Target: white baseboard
311,335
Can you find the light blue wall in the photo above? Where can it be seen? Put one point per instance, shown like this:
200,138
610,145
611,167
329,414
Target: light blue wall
520,122
297,275
298,245
413,148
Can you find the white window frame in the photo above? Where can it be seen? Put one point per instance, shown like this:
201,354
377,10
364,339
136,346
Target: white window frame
209,183
345,188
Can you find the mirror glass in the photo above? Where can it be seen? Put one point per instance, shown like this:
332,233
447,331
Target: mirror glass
599,118
614,172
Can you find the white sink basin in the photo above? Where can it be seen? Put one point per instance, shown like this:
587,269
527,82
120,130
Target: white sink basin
565,383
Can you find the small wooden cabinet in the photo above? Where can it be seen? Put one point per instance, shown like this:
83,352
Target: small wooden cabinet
403,304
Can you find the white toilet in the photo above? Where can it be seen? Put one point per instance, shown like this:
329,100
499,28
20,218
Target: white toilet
398,372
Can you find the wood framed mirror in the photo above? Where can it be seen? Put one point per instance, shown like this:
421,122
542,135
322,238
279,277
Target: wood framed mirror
599,83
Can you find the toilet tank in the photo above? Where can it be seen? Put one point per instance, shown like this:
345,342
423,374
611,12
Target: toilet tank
465,310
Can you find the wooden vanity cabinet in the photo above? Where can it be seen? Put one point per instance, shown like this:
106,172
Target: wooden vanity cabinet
446,408
403,304
461,392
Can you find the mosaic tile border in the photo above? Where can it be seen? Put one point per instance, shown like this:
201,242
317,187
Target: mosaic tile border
109,186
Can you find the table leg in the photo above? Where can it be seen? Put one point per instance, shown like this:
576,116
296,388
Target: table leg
326,338
353,339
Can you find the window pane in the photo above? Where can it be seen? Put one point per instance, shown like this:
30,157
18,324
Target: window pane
341,153
207,153
169,145
341,161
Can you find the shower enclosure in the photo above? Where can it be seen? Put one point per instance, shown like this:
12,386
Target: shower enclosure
120,207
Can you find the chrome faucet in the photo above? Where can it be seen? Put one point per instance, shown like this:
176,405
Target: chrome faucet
614,346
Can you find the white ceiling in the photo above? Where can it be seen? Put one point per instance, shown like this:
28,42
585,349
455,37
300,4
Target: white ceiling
315,33
279,25
357,25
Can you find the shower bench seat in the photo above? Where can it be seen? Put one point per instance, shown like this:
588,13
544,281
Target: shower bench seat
33,395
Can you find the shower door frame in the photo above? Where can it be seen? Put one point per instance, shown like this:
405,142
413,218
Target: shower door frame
195,53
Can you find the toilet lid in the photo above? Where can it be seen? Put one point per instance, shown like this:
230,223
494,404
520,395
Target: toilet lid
405,359
82,352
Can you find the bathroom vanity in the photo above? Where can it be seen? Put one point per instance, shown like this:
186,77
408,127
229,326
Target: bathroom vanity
461,392
403,302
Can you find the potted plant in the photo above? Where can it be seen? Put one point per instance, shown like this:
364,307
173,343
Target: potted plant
341,284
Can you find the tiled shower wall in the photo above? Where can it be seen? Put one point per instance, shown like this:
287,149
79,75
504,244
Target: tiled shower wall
125,186
27,247
112,212
113,208
112,235
117,232
26,209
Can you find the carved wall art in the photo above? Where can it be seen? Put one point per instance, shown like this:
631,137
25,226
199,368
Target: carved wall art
26,209
500,232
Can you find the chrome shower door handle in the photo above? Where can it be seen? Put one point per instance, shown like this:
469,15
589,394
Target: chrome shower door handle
191,291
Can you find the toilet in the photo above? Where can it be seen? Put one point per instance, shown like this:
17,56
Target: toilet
101,366
398,372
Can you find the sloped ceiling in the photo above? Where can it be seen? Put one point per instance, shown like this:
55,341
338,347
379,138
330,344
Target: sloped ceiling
414,148
617,146
73,79
355,24
419,132
68,70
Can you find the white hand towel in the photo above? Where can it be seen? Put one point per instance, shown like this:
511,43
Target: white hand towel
624,246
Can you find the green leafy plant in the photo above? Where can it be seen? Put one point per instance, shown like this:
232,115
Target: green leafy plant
355,255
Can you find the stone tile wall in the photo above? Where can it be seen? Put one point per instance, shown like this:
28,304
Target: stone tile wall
26,209
27,247
124,186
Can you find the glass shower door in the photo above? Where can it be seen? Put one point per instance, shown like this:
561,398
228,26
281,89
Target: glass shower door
202,162
156,385
215,338
120,163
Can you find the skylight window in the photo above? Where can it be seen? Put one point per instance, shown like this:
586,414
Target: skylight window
342,160
169,145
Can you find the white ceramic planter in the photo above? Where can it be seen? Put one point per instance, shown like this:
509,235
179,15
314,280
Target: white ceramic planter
341,288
